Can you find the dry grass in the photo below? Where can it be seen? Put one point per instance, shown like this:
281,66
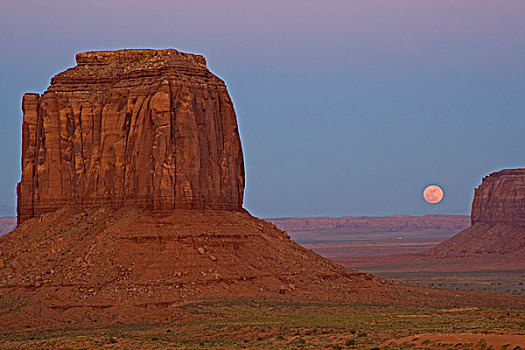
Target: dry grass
240,324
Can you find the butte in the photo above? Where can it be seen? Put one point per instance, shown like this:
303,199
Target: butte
496,238
130,202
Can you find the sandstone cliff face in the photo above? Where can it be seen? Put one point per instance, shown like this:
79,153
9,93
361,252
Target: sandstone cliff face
500,199
149,128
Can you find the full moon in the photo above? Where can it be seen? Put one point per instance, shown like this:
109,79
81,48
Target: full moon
433,194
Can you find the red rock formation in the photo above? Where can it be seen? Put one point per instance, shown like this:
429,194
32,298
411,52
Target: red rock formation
498,220
150,128
154,130
500,199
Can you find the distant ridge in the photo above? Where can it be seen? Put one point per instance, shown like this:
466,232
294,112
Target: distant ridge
7,224
389,223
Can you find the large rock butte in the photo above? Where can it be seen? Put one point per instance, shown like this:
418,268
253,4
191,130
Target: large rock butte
500,199
118,155
150,128
498,224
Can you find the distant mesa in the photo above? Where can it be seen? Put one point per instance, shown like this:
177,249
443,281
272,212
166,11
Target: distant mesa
500,199
150,128
498,220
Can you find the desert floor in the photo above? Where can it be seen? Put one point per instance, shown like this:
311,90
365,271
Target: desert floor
248,324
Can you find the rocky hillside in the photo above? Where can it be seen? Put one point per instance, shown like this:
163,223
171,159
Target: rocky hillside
98,264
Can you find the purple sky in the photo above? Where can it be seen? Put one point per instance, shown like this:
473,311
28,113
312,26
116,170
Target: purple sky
345,107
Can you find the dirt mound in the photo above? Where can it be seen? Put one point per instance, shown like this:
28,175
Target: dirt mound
480,247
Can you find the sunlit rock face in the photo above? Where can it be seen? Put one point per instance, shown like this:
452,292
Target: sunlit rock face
500,199
148,128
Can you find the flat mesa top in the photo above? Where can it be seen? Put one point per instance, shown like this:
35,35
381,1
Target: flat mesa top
134,55
103,69
518,171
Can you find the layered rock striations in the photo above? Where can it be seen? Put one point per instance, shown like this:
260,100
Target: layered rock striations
149,128
500,199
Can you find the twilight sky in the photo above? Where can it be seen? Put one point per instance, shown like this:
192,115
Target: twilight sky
345,107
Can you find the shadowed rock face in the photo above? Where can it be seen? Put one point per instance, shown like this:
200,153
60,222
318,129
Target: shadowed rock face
500,199
149,128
